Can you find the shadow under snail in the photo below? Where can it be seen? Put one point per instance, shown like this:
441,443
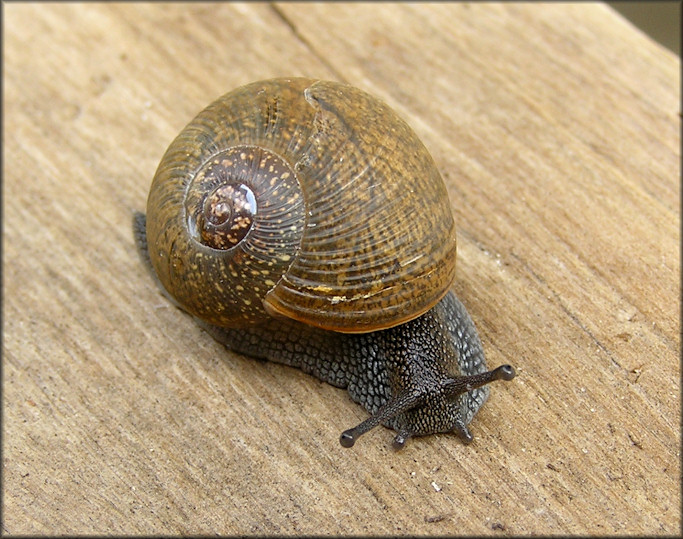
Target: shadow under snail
303,222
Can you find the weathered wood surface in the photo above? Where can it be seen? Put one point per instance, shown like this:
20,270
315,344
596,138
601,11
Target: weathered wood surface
557,130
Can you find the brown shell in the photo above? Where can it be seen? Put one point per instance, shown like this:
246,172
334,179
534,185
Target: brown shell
352,229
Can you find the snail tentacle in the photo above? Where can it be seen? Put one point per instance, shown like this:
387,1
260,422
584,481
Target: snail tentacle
404,401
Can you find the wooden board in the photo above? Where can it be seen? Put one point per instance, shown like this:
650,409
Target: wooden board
556,128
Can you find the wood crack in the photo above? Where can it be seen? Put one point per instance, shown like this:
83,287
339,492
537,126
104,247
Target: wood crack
322,58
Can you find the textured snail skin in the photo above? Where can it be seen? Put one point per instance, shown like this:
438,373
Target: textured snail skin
374,367
303,222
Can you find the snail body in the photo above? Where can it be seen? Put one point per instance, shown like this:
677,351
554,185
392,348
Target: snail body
303,222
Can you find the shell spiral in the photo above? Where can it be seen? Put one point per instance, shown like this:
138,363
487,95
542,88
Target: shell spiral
307,199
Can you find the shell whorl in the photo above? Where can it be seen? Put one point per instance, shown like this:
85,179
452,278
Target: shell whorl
341,221
242,226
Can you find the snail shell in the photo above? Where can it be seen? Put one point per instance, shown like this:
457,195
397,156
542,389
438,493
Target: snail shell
300,198
291,207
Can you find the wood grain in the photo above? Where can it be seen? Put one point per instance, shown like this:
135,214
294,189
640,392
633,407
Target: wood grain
557,130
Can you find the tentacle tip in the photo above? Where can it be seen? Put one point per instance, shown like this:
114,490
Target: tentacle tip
400,441
505,372
464,434
347,438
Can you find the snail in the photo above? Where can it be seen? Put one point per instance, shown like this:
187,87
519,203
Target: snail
303,222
